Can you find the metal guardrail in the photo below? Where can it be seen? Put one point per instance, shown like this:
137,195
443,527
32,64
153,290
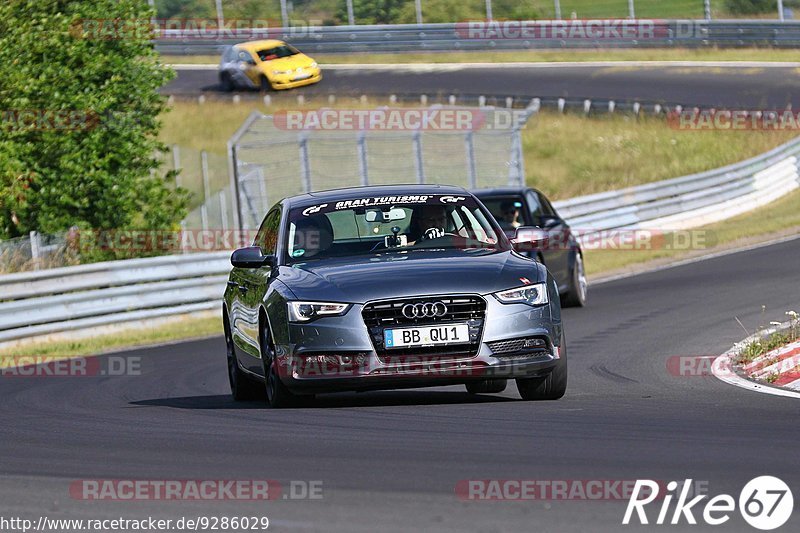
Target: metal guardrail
86,296
457,36
690,201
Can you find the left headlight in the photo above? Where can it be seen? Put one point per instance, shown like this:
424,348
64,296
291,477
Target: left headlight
314,64
535,294
306,311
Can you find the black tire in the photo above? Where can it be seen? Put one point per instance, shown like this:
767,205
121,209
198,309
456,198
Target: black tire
278,396
576,296
265,85
243,388
550,387
487,386
225,82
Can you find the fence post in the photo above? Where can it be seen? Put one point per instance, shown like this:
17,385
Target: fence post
362,157
220,15
206,190
516,169
418,9
284,14
558,9
176,163
780,11
707,9
351,19
223,210
35,249
418,163
472,171
489,10
233,171
631,9
305,169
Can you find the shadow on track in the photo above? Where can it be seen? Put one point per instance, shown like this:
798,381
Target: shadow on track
365,399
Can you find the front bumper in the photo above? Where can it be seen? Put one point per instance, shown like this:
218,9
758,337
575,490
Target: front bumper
286,81
337,353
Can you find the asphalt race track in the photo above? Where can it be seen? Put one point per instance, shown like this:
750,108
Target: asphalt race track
390,461
746,87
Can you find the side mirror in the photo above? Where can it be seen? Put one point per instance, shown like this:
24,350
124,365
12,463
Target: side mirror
549,221
529,239
251,257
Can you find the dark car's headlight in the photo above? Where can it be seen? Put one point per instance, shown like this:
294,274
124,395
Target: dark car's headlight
535,294
305,311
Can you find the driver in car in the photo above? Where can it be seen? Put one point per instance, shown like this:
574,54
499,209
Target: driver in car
428,222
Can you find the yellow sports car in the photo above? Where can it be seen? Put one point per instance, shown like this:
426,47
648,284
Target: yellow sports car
266,65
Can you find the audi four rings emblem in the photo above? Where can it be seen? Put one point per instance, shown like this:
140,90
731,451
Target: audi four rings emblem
425,310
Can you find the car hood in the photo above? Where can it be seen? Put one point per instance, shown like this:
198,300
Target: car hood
287,63
365,278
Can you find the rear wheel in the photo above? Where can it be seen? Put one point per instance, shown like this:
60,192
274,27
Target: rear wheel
277,394
243,388
576,296
549,387
487,386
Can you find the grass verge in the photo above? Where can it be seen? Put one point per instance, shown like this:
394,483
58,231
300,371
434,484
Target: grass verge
188,328
536,56
565,155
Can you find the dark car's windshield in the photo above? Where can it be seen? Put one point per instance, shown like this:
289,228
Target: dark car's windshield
507,210
277,52
389,224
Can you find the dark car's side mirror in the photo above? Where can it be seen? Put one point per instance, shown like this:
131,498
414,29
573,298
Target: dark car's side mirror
529,239
549,221
251,257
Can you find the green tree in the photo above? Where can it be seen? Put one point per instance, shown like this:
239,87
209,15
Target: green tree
80,118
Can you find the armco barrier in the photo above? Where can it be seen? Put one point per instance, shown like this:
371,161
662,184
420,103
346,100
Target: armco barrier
70,298
87,296
457,36
690,201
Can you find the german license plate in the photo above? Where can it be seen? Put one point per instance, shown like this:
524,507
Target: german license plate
426,336
304,76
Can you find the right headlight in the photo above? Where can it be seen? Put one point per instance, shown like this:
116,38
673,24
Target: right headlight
306,311
535,294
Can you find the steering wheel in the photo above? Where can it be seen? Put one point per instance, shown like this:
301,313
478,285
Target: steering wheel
434,233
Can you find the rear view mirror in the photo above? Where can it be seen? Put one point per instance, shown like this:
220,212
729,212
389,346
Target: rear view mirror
251,257
529,239
376,215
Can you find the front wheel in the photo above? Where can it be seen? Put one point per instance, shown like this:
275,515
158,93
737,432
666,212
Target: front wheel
265,85
278,395
226,82
576,296
550,387
242,387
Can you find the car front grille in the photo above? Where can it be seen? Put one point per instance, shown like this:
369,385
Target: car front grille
461,309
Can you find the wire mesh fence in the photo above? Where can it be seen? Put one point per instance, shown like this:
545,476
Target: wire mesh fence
270,160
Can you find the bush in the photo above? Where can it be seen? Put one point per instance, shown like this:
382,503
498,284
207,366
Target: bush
78,135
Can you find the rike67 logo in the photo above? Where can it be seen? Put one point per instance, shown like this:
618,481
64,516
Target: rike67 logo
765,503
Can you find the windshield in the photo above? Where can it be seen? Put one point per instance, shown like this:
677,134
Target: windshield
507,211
285,50
389,224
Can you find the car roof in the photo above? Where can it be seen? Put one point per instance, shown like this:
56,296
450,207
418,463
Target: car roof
500,191
334,195
251,46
